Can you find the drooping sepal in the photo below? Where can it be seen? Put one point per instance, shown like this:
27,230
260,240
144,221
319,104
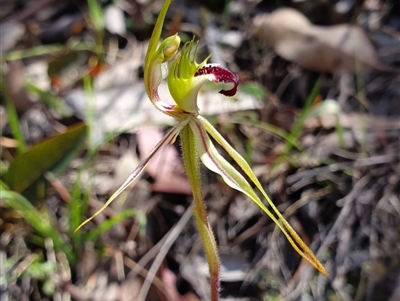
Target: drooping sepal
216,163
169,138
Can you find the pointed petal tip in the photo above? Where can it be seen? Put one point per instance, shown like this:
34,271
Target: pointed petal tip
230,92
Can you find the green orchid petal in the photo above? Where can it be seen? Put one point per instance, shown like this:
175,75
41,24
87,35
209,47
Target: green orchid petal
169,138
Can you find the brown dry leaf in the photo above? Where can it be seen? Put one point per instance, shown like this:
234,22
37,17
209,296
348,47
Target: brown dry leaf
14,81
171,291
165,167
8,142
130,289
338,48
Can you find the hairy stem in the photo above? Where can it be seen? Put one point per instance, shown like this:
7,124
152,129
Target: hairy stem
192,165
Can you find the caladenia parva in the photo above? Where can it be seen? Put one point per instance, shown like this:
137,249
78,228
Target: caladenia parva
185,77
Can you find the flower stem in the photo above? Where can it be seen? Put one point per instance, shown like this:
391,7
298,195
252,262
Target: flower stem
192,165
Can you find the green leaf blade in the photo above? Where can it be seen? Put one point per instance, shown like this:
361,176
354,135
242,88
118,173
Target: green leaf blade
53,153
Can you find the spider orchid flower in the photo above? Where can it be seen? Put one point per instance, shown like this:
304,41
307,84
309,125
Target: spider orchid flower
185,77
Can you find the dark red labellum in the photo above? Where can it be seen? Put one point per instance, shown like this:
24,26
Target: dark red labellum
222,75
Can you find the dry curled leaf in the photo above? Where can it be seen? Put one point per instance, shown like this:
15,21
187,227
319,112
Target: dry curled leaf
339,48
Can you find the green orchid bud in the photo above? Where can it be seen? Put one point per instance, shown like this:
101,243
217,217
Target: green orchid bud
156,69
169,47
186,77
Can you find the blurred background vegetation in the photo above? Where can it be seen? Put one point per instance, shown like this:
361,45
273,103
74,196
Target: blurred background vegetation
317,116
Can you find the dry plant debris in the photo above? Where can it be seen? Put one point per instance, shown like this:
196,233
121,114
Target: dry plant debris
336,48
339,184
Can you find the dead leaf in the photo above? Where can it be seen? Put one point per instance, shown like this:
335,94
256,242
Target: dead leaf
14,81
339,48
166,167
10,34
171,291
8,142
130,289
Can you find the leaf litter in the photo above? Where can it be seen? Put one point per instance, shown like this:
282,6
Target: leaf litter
336,48
342,198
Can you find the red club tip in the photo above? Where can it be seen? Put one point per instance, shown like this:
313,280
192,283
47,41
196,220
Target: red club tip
221,75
